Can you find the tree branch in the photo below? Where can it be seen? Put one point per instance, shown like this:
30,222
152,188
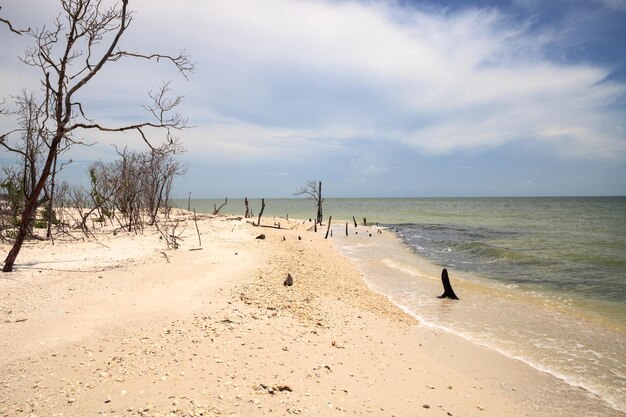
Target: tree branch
11,28
182,61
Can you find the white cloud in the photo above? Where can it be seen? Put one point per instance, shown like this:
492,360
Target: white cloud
298,75
619,5
436,81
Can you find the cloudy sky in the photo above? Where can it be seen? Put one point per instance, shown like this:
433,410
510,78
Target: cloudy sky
374,98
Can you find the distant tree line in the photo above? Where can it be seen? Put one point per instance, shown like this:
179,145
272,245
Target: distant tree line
129,192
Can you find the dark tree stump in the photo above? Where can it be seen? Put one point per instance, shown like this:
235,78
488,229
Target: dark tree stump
448,292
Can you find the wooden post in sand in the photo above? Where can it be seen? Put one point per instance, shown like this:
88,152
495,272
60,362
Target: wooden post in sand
328,228
261,213
354,220
248,214
346,228
195,220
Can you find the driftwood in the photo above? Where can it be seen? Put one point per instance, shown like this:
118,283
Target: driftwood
328,228
248,214
448,292
195,220
354,220
346,228
216,210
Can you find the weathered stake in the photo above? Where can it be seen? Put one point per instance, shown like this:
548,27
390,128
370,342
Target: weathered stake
248,214
195,220
261,213
328,228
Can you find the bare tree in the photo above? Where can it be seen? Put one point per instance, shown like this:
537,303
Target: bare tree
69,54
30,148
137,183
157,174
313,190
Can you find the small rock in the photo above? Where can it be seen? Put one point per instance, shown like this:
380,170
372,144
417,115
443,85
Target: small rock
426,406
288,281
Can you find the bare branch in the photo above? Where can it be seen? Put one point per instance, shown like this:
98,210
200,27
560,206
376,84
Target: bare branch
182,61
82,113
11,28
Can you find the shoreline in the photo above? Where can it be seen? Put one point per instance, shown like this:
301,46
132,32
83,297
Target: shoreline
145,331
416,267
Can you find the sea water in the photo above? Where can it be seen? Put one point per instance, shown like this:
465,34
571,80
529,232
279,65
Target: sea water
542,280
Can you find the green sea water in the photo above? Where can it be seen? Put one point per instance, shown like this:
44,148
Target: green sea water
542,280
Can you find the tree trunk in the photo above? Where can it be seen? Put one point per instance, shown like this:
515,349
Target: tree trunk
248,214
50,208
319,203
31,205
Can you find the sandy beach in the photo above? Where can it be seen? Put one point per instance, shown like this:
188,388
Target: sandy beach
121,326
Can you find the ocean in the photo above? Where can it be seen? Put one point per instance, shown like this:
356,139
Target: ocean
542,280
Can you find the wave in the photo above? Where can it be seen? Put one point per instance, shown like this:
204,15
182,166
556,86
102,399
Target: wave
496,254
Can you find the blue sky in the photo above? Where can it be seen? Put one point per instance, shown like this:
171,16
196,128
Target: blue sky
374,98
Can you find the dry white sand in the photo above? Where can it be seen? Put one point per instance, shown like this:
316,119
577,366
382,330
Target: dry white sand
123,327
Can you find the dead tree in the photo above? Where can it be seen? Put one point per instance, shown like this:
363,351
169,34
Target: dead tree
70,53
159,169
313,190
29,150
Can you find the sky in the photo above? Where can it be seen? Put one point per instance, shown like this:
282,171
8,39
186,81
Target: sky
397,98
